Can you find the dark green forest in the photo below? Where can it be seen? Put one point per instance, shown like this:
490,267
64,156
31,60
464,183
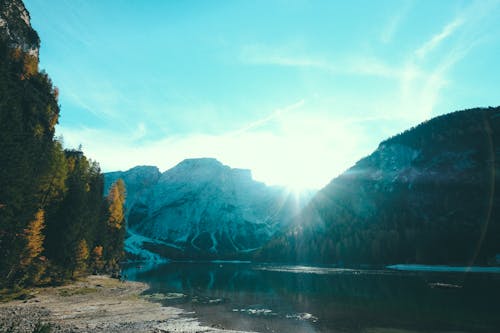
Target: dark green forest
429,195
55,223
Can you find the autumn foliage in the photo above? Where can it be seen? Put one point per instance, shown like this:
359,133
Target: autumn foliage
55,223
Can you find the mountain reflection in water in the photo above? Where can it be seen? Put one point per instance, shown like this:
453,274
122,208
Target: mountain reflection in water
324,299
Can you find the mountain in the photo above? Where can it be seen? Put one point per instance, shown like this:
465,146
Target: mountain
15,27
200,209
428,195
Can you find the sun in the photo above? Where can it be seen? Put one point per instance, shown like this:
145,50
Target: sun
297,188
295,178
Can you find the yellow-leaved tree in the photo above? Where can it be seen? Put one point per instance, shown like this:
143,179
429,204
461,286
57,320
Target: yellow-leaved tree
116,199
115,225
34,239
81,257
30,262
96,259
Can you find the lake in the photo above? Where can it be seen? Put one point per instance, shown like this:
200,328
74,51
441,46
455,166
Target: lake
281,298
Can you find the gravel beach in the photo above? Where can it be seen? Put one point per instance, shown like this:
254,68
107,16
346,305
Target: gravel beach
96,304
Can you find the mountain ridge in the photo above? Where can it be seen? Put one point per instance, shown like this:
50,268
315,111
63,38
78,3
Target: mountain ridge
201,208
431,185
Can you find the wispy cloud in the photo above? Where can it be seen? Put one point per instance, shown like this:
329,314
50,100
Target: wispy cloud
275,157
101,98
74,98
140,132
287,56
437,39
394,22
309,140
67,23
273,116
421,78
422,94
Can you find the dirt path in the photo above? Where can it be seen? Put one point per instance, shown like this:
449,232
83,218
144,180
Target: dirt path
96,304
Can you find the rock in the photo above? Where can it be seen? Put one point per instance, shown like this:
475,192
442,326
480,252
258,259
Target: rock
200,208
15,27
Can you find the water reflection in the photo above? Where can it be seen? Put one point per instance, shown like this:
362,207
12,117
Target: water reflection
330,299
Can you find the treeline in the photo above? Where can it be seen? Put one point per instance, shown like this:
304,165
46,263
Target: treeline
429,195
54,222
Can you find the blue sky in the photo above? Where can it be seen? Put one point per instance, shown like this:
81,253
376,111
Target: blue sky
297,91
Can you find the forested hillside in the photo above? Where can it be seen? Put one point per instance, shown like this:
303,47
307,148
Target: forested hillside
54,222
429,195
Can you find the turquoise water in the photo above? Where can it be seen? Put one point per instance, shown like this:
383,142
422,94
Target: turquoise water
278,298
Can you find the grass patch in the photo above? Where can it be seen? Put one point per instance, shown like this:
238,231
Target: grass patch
42,328
7,295
76,291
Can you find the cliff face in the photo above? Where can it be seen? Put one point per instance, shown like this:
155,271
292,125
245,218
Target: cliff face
201,209
15,27
429,195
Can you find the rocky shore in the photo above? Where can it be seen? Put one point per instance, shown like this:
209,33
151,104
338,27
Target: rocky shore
96,304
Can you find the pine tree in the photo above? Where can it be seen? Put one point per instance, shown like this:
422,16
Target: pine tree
28,114
81,258
76,215
51,204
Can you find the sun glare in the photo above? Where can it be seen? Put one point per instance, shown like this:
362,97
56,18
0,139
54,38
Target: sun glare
296,179
298,187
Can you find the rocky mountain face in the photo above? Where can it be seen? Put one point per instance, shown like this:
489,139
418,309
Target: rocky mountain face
15,27
428,195
200,209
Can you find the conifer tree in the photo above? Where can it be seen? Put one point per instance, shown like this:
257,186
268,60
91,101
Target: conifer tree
52,209
96,259
115,225
31,264
34,239
81,257
116,200
28,114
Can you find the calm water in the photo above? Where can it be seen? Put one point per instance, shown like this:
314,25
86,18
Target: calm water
272,298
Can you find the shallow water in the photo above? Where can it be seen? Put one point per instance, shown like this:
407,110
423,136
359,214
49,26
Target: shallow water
278,298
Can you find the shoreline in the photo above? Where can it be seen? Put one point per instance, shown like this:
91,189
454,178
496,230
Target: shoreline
97,304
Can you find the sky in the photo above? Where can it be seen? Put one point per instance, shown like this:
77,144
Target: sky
296,91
